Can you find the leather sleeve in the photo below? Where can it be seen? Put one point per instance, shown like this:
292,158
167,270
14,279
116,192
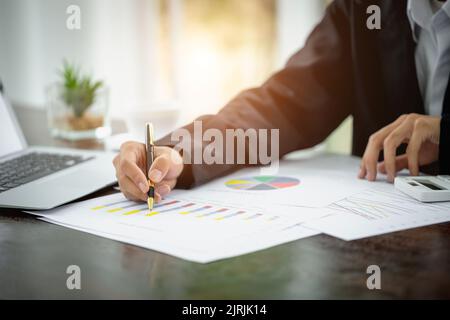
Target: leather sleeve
306,100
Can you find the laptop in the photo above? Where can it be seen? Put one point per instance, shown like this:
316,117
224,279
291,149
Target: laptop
44,177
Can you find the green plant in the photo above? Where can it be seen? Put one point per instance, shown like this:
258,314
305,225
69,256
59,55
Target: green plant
79,91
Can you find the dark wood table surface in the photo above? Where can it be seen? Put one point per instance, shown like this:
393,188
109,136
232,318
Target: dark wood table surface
34,256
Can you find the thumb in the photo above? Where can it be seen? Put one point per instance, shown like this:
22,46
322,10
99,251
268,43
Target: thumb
159,169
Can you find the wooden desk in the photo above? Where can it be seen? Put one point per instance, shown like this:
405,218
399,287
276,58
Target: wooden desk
34,256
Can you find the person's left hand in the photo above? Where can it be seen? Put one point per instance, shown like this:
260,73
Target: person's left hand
420,132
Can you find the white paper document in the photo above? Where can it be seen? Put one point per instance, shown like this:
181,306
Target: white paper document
297,183
378,210
249,211
196,231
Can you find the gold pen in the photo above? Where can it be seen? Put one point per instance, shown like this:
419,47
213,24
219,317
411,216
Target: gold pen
150,153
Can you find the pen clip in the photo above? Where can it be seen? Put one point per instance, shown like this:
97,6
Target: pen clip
149,140
149,134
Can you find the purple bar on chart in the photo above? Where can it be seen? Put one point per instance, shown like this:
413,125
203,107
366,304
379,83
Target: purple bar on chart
231,215
114,203
159,205
196,210
131,205
177,208
211,213
145,208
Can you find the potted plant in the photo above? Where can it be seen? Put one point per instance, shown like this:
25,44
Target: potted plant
77,106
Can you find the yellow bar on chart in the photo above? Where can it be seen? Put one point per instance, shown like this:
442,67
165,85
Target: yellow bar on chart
231,182
98,208
154,213
115,210
131,212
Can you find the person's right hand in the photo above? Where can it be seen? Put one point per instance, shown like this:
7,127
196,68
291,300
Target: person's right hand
420,132
130,166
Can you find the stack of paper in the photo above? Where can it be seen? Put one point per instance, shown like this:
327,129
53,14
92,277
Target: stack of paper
378,207
249,211
196,231
376,211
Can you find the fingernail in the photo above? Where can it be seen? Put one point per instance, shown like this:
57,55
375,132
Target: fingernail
143,187
155,175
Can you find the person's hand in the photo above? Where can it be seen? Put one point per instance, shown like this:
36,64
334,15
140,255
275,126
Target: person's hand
420,132
130,166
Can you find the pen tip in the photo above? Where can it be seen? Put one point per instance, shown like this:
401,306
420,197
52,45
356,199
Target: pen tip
150,203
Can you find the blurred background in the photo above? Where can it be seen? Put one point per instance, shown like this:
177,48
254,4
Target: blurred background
191,55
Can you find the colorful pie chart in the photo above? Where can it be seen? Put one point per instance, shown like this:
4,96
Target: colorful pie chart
260,183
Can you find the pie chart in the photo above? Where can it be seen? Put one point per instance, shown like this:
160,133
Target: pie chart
260,183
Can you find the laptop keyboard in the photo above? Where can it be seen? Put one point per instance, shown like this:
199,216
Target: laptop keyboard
33,166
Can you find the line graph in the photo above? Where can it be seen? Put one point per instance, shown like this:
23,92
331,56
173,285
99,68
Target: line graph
376,204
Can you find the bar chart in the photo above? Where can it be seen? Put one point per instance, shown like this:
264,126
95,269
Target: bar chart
181,226
179,207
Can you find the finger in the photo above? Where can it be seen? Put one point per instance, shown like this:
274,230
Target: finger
135,152
401,162
132,197
413,149
170,182
362,170
165,186
157,197
175,159
128,187
163,190
159,169
375,145
389,152
371,159
392,142
382,167
116,161
129,168
372,154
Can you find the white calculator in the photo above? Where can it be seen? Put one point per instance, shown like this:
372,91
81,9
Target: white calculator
425,188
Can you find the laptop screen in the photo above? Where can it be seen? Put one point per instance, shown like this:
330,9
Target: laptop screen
10,140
